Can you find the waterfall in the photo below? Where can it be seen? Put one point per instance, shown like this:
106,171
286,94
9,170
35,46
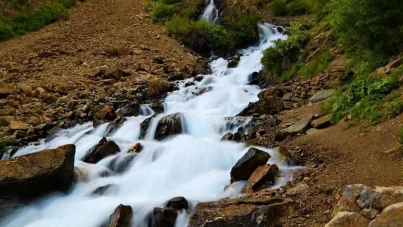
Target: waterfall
195,164
210,14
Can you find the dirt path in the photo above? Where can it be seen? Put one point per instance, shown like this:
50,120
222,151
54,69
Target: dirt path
349,156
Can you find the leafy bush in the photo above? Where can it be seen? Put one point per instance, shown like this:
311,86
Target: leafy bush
38,18
285,52
278,7
31,20
297,8
363,99
199,35
163,12
169,2
367,24
6,31
245,30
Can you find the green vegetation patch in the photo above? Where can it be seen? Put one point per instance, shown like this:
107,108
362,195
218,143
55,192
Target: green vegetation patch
373,98
278,59
27,21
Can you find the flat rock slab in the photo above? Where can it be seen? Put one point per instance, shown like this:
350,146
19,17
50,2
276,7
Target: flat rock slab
299,126
241,212
321,95
37,173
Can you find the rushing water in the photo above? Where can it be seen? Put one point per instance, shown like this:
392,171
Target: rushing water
210,14
195,164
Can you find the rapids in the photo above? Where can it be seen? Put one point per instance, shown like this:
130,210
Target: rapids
195,164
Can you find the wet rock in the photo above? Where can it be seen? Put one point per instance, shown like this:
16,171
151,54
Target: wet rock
263,177
103,149
115,125
268,105
243,212
300,126
164,217
103,113
199,78
285,155
38,173
348,219
145,125
321,95
392,216
228,136
248,163
104,189
121,217
233,61
129,109
169,126
178,203
322,122
121,163
137,148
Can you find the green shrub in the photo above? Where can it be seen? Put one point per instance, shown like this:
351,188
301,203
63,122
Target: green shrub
163,12
6,31
297,8
400,136
278,7
367,24
199,35
169,2
362,99
67,3
38,18
285,52
245,30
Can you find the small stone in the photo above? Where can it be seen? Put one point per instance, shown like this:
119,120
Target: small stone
121,217
248,163
369,213
322,122
178,203
321,95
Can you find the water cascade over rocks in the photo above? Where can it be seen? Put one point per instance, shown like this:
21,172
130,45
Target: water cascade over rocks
188,160
210,14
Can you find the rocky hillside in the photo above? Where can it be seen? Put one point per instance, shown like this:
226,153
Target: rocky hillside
107,54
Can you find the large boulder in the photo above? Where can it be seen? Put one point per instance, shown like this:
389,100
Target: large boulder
242,212
263,176
348,219
266,105
38,173
103,149
392,216
248,163
121,217
169,126
164,217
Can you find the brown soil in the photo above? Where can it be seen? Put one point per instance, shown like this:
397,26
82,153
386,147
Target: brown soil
347,156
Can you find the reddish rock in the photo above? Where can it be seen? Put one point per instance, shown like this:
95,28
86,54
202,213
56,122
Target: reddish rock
248,163
322,122
263,176
392,216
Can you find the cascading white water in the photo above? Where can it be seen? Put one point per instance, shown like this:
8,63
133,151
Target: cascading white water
195,164
210,14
